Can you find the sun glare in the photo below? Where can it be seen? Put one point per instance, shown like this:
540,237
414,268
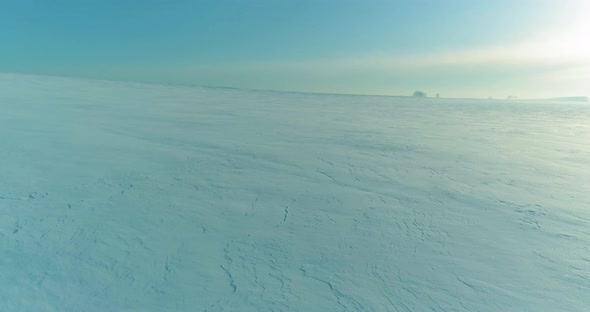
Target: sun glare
575,35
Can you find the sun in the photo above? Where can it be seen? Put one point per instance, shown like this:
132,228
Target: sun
566,43
575,35
580,38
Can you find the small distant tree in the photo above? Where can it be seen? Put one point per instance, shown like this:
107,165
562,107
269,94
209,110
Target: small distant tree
419,93
437,95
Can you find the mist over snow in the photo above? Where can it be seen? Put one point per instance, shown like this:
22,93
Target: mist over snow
120,196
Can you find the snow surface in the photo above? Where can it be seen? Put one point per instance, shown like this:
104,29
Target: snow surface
134,197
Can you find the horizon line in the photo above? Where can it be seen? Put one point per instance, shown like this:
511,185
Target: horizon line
170,84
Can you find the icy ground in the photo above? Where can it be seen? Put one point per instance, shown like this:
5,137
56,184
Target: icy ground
134,197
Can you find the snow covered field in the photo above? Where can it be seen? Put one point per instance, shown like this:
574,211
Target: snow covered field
134,197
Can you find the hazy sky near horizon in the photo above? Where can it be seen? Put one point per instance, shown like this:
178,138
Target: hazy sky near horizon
458,48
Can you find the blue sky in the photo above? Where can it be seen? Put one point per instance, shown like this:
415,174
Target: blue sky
528,48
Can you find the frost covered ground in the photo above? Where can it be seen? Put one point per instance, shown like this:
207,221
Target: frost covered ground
134,197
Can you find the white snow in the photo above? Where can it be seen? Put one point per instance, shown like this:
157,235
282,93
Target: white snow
122,196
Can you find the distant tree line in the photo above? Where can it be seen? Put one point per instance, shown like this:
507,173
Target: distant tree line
419,93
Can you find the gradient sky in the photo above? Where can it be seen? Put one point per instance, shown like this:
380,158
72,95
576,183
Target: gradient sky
458,48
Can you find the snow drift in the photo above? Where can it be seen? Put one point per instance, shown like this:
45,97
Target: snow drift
135,197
